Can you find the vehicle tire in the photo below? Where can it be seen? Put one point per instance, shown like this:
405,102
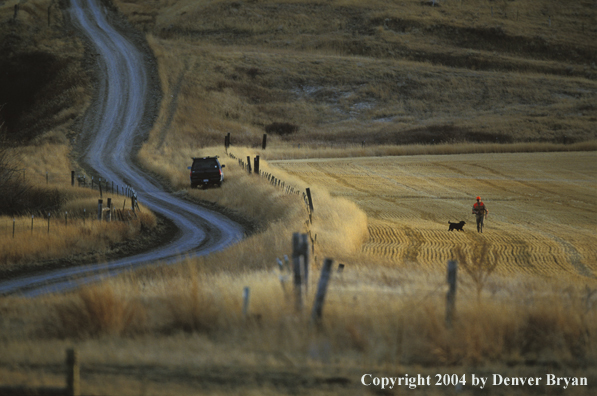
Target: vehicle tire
219,184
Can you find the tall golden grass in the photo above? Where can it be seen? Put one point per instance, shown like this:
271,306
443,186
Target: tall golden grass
366,322
73,229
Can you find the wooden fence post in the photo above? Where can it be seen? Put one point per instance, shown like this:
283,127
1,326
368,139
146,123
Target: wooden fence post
99,209
297,266
65,218
249,163
306,260
110,209
100,187
310,200
256,165
32,216
49,214
451,295
13,227
72,178
324,279
73,384
340,268
246,292
264,142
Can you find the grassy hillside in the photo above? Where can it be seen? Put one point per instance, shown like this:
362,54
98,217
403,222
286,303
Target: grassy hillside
382,72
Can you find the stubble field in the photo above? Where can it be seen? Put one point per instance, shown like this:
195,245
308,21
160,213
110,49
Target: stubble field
542,207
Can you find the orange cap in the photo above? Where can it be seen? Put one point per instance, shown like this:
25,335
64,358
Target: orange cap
478,198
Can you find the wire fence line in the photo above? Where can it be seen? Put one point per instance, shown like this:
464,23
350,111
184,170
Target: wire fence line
43,221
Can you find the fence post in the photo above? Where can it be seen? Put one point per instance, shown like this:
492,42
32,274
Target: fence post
306,260
99,209
249,163
264,142
321,290
109,209
246,292
310,200
65,218
451,295
73,384
47,179
72,178
13,227
256,163
49,214
100,187
297,266
32,223
340,268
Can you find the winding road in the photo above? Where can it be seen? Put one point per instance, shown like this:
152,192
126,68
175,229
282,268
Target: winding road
112,126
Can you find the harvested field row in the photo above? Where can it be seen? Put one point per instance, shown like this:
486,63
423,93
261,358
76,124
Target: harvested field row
541,205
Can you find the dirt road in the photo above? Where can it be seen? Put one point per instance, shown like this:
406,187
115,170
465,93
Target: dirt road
113,127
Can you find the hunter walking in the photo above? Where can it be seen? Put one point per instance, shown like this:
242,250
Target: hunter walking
480,211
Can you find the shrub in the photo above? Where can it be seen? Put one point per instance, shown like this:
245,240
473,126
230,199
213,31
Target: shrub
281,128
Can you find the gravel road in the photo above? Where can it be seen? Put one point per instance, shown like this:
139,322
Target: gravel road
114,124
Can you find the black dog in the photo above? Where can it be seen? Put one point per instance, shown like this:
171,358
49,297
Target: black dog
456,226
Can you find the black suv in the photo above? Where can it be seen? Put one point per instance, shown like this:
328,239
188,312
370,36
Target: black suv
205,171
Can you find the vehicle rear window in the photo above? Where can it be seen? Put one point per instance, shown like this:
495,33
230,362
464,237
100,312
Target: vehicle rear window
205,164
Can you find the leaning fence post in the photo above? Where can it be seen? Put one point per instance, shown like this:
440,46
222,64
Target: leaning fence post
310,200
73,384
99,209
246,292
451,295
321,290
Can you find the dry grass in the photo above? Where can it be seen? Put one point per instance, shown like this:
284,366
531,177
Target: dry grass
381,72
374,319
73,229
392,75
